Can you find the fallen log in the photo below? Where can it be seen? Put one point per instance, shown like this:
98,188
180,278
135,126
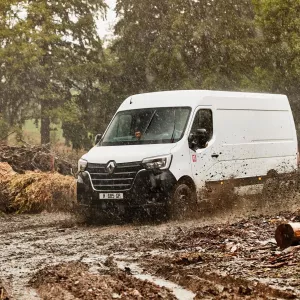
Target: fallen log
287,235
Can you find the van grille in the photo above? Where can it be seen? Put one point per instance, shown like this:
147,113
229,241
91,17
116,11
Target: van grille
121,180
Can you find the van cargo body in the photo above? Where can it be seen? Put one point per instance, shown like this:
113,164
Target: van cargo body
173,144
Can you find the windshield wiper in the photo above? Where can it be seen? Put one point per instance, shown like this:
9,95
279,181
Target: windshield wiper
148,125
172,138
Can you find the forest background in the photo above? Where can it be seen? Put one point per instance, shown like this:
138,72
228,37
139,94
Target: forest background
59,76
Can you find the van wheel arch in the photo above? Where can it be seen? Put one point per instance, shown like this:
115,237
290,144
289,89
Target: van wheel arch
272,174
188,181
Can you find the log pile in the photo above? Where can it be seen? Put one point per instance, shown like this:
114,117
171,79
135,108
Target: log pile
32,158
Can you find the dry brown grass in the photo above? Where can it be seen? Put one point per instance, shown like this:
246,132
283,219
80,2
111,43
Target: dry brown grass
6,173
35,191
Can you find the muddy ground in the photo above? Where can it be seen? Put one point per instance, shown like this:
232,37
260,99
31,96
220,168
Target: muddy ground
219,256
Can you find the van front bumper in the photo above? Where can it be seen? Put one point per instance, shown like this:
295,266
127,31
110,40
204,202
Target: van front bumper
150,189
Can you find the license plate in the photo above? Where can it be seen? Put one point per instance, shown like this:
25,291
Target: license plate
111,196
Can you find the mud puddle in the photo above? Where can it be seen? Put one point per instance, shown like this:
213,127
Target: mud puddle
183,260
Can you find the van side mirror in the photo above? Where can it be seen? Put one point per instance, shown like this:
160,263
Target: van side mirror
199,139
98,138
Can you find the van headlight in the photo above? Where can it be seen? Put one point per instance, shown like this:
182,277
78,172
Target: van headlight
82,164
161,162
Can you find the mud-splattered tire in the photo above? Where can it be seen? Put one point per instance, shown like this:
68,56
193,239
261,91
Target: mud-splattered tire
182,201
98,216
82,214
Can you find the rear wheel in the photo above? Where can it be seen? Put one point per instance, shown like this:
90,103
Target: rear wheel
271,188
182,202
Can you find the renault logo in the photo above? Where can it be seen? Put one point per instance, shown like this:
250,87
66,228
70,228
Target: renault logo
110,168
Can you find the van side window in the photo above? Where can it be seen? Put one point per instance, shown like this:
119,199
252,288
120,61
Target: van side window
204,120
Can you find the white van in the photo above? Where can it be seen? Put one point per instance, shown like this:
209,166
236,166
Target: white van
161,148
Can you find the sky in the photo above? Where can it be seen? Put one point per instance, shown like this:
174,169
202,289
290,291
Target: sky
105,26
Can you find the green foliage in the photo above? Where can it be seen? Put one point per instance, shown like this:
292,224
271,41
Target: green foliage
74,128
4,128
279,23
48,48
185,44
279,26
53,66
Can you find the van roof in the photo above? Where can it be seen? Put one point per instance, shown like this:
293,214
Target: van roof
194,98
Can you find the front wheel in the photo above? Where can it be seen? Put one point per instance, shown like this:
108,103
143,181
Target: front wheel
82,214
97,216
182,203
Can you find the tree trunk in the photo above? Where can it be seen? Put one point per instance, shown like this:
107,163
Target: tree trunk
45,124
287,235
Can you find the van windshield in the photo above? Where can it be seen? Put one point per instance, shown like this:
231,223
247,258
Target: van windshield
147,126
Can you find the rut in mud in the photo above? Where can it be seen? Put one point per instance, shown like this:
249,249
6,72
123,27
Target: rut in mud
49,256
74,281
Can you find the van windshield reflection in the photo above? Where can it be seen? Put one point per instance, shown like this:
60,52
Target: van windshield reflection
147,126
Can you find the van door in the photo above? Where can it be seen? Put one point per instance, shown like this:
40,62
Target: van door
202,144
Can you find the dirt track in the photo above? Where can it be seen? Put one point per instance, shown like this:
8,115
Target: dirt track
48,256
